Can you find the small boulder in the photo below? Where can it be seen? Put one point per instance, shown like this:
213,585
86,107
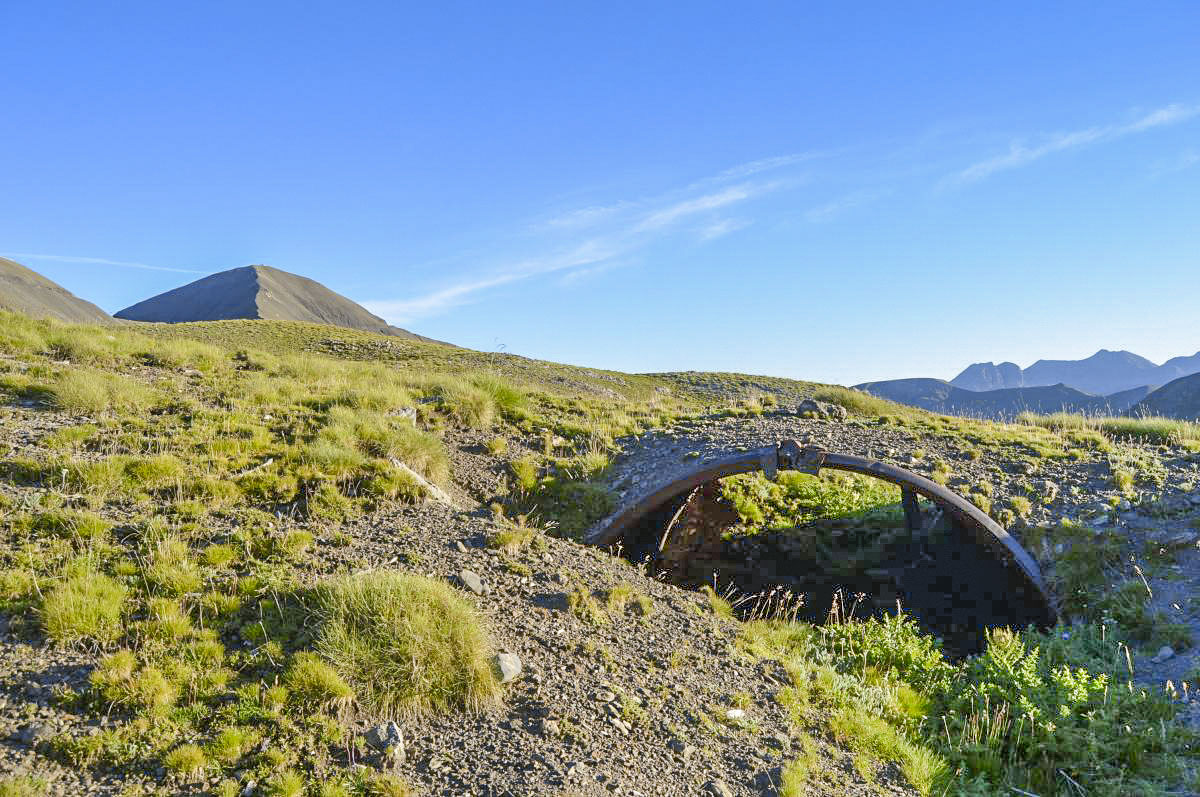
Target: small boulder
34,733
1164,653
811,408
1186,539
387,738
717,788
509,666
735,715
472,581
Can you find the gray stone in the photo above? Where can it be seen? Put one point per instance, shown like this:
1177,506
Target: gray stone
509,665
683,749
472,581
387,738
1164,653
620,725
35,732
821,409
717,788
1185,540
459,545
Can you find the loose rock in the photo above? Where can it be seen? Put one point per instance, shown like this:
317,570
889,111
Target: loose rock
717,788
509,665
1164,653
472,581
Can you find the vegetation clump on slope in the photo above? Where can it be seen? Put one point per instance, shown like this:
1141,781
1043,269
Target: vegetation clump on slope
406,644
1034,711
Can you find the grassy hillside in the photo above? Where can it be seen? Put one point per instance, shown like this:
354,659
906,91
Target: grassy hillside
239,546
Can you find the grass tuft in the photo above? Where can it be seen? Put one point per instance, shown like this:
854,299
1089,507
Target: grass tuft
86,606
187,760
312,681
406,644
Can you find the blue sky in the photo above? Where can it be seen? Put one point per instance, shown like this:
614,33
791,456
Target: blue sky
841,193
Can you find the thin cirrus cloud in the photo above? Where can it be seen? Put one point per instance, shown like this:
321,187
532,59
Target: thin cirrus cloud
99,261
617,230
1020,153
722,228
586,254
829,210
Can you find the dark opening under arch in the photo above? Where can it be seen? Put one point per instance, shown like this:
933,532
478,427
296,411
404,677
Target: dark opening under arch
976,577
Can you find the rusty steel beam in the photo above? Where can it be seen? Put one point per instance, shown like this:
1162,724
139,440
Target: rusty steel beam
790,455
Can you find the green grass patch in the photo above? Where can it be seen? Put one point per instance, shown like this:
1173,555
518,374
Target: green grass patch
86,606
404,643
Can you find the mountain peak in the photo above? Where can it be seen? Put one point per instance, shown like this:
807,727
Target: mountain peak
259,291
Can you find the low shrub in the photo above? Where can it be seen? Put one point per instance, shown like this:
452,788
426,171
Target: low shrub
1031,707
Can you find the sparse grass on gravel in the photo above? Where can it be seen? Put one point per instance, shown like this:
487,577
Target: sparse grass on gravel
1148,429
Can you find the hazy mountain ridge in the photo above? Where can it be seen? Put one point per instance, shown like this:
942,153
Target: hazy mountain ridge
260,292
940,396
1104,373
23,290
1176,399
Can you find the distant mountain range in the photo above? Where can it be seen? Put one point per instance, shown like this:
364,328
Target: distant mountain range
938,395
1102,374
27,292
1107,383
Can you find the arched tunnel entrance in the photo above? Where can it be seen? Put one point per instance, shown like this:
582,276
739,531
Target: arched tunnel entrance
931,552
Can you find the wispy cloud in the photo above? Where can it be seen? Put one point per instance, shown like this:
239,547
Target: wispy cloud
100,261
584,217
722,228
752,168
402,310
613,231
1021,153
670,214
1184,160
826,212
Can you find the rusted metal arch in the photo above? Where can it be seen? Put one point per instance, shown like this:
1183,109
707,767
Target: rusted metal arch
790,455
